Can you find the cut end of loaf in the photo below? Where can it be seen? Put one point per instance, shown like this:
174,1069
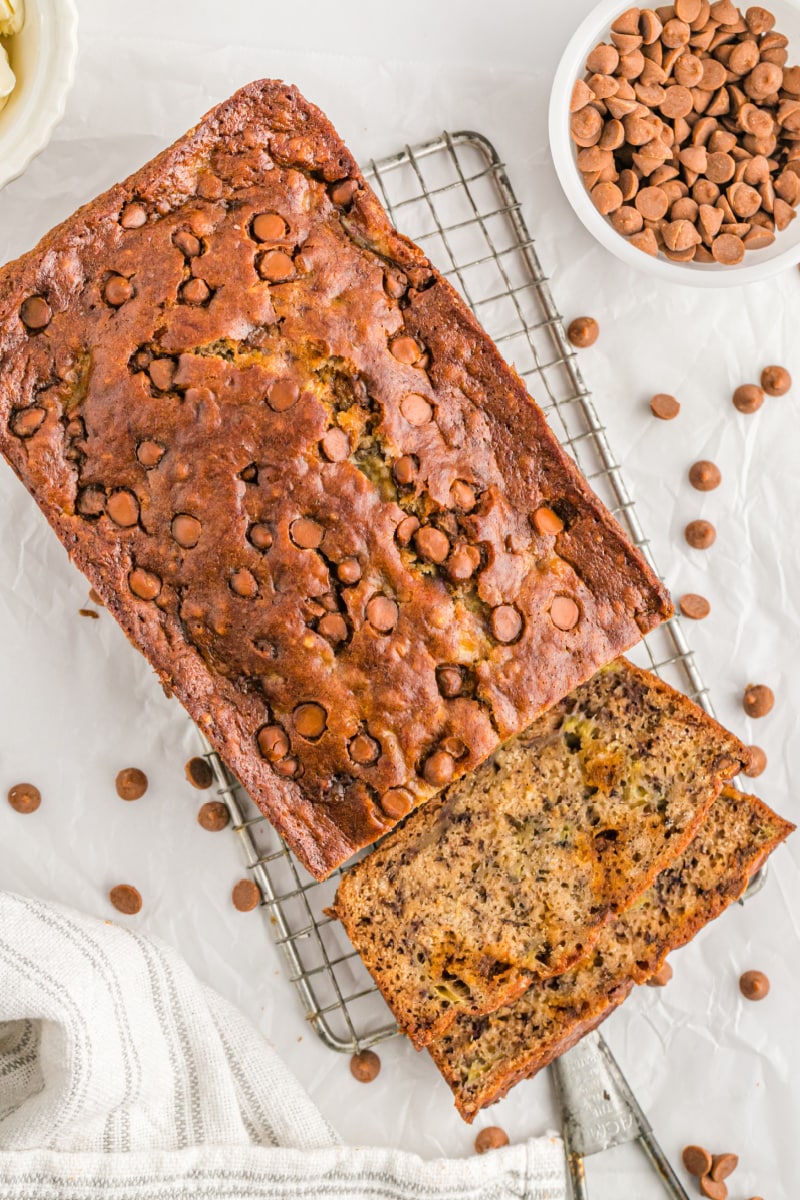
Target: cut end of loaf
512,873
483,1058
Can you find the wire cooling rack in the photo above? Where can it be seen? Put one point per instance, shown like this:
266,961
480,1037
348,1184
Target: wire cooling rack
453,197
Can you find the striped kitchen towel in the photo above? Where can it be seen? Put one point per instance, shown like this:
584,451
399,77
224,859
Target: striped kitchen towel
123,1077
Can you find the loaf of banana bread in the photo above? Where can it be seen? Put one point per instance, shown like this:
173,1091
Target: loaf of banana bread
483,1057
301,476
511,874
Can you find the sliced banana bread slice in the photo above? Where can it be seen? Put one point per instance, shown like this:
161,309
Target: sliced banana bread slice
481,1058
512,872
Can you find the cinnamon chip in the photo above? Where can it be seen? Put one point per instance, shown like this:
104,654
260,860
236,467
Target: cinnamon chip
748,398
776,381
700,534
397,802
24,798
754,985
213,816
546,521
131,783
652,203
696,1160
664,406
245,895
438,769
35,313
491,1138
382,613
117,290
756,762
758,700
564,613
268,227
199,773
705,476
723,1166
694,607
728,249
506,623
126,899
583,332
365,1066
310,720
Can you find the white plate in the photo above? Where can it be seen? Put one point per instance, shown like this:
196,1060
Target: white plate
43,56
757,264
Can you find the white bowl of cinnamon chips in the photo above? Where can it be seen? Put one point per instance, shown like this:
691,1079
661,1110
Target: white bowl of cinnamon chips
675,133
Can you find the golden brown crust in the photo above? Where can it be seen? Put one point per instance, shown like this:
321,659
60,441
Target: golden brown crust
740,832
525,1066
140,343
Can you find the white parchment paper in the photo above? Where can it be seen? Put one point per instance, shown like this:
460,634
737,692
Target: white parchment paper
77,703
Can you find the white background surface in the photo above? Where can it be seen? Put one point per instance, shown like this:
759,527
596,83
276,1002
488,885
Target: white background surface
77,703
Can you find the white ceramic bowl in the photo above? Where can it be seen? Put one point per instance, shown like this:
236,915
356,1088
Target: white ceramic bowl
757,264
42,56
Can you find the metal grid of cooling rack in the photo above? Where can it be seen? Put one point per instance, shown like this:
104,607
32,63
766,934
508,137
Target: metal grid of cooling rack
453,197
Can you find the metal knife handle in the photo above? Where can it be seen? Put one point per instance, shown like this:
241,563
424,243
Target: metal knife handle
599,1111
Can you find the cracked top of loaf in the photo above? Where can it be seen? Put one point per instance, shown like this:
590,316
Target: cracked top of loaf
301,476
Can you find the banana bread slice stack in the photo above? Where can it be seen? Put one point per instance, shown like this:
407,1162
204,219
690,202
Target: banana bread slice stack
512,873
481,1058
